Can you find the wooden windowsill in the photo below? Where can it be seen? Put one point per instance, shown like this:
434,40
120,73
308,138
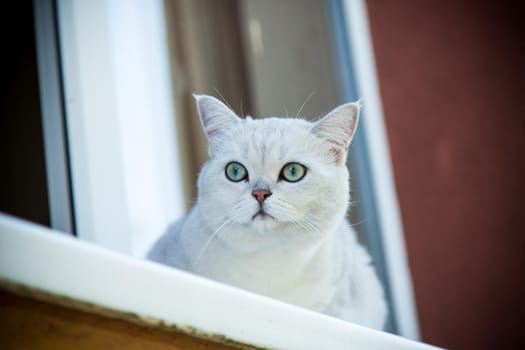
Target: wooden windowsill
32,319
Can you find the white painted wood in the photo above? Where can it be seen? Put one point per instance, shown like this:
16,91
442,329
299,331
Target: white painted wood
37,257
381,168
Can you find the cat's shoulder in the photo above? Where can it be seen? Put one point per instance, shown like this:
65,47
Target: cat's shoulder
160,249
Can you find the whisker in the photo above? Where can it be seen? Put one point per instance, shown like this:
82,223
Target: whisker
307,223
359,222
217,232
307,229
304,103
313,226
242,113
223,98
212,236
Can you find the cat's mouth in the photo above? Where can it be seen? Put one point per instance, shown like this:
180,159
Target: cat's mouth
262,215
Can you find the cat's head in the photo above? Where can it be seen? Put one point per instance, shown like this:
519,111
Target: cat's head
284,176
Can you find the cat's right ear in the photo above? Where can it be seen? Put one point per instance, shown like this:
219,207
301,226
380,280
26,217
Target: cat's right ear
216,118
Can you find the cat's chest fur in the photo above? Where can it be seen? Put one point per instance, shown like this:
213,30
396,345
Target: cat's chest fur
303,273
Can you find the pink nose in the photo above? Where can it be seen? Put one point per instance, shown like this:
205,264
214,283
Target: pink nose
261,195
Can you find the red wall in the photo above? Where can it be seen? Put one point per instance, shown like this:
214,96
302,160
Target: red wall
452,80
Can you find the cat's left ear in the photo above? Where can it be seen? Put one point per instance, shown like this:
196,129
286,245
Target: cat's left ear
338,128
216,118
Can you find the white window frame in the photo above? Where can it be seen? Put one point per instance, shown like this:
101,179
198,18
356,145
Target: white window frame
120,121
385,197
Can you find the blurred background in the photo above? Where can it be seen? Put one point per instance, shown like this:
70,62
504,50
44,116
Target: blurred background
450,75
100,138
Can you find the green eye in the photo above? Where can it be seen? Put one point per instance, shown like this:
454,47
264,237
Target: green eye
293,172
236,172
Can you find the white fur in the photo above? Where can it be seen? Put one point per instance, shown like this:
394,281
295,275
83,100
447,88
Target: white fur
304,251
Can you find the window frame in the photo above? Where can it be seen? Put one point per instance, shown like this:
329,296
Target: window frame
374,173
53,117
120,122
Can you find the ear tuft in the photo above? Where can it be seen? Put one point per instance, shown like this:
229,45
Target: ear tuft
338,128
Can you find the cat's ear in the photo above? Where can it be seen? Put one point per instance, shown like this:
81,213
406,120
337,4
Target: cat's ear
338,128
216,118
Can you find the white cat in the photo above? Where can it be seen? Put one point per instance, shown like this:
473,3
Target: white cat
270,215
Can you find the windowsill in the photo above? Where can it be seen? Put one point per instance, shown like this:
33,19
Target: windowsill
42,259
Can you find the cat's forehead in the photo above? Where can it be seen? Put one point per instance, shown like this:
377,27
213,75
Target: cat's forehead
271,141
